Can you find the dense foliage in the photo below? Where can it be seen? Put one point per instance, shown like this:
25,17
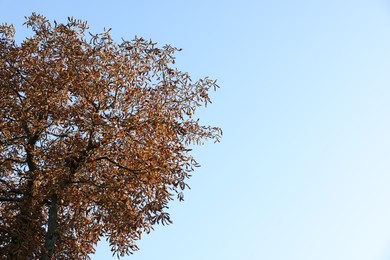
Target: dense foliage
94,139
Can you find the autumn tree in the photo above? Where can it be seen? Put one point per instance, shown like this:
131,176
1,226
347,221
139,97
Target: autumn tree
94,139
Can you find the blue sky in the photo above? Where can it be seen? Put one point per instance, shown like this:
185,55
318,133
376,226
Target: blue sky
303,169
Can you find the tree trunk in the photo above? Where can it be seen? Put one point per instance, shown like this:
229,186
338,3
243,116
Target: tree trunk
51,234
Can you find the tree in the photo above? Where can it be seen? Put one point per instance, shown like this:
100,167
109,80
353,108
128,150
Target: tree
94,139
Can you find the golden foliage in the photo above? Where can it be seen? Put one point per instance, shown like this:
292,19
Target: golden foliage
94,139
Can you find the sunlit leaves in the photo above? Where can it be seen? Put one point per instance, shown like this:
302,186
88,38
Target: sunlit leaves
103,127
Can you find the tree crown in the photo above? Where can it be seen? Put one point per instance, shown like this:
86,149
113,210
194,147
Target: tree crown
94,131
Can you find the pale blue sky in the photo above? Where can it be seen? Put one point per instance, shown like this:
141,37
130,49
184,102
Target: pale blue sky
303,169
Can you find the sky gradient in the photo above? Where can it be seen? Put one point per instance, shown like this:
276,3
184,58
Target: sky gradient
303,169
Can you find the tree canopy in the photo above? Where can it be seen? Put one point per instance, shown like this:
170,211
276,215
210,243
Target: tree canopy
94,139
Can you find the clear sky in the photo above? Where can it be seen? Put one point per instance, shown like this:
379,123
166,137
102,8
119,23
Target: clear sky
303,169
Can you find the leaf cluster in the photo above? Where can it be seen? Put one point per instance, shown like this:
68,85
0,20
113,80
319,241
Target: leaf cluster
104,127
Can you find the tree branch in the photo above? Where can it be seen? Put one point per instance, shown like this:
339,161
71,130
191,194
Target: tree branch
118,165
